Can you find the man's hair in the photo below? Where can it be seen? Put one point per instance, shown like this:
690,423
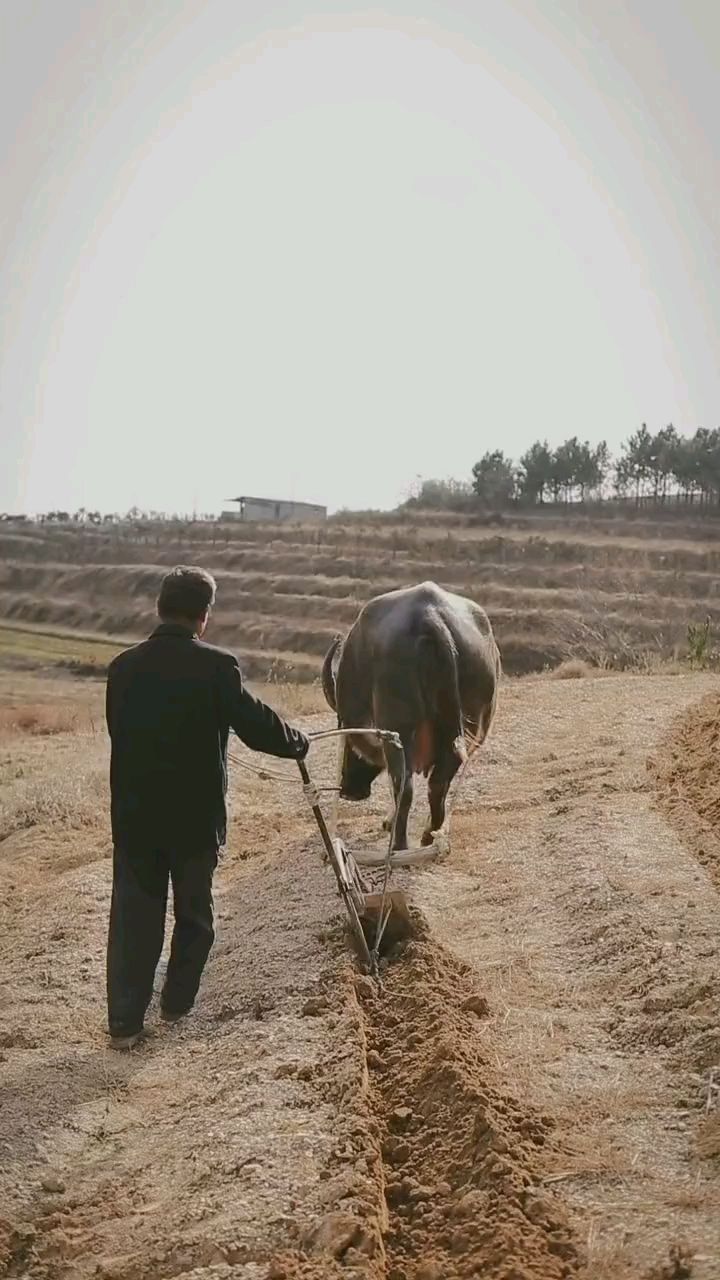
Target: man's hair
186,593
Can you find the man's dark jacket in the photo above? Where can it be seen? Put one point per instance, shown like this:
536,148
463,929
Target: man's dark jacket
170,704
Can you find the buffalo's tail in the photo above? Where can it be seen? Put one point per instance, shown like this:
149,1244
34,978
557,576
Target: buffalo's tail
439,690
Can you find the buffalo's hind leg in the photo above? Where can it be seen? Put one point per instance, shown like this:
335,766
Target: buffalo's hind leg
443,771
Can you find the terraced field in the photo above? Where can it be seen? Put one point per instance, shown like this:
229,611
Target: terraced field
616,593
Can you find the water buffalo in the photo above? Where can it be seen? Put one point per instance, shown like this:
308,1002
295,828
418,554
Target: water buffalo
423,662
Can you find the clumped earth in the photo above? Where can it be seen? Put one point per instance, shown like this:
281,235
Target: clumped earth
531,1094
460,1151
687,772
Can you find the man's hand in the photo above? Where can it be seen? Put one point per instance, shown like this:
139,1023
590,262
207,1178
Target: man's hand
303,745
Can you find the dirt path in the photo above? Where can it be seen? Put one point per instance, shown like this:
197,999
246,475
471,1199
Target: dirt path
524,1100
209,1146
594,933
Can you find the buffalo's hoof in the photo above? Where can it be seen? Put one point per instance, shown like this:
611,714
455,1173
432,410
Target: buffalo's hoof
355,795
440,841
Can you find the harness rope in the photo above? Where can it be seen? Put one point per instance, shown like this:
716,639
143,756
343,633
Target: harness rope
276,775
441,838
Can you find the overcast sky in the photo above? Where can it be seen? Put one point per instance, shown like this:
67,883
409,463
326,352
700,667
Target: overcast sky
249,246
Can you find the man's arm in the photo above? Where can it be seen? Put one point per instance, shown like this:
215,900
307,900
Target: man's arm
256,723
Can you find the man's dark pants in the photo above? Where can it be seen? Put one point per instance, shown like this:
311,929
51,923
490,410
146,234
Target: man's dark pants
137,927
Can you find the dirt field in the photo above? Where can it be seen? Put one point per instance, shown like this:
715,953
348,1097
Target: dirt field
530,1096
619,593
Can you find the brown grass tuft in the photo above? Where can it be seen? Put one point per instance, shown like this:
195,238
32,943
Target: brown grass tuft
39,721
573,669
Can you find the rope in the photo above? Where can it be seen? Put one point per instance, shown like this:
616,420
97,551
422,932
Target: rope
335,809
270,775
273,775
384,735
311,794
266,775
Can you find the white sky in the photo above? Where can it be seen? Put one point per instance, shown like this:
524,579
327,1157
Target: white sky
252,247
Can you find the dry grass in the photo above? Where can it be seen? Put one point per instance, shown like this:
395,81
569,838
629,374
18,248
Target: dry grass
573,669
39,720
41,789
611,1259
293,700
48,791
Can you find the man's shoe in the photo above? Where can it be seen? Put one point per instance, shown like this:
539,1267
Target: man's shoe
126,1042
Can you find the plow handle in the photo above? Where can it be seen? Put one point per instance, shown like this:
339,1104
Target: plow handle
329,849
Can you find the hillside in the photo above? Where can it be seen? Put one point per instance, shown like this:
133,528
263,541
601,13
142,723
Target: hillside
616,592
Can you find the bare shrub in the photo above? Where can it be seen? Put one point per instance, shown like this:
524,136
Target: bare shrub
609,640
573,669
88,668
701,654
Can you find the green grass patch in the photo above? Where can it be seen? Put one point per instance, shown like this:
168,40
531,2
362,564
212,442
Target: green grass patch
34,647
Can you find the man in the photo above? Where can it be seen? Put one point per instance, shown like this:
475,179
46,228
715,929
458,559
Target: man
170,704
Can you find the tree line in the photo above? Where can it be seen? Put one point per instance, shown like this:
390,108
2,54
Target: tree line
660,468
135,515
